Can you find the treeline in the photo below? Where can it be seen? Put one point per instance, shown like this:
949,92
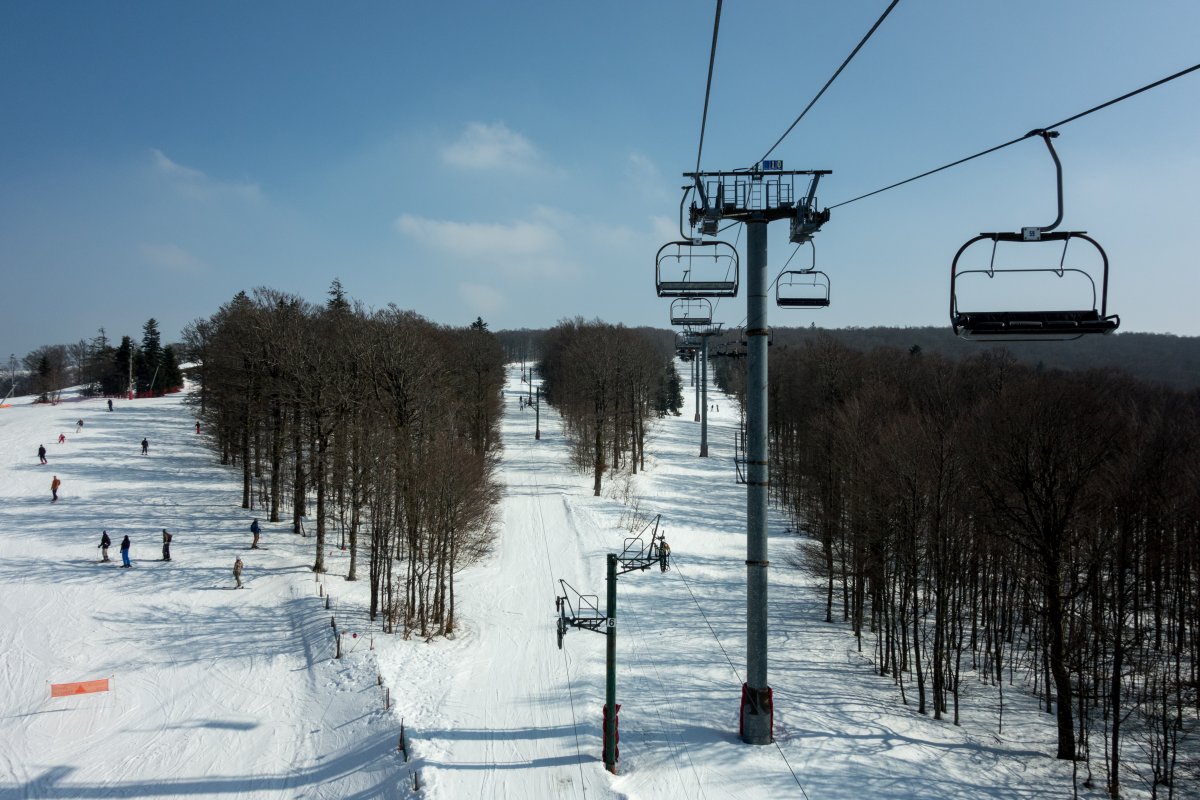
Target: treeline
1152,357
606,381
982,520
383,425
148,369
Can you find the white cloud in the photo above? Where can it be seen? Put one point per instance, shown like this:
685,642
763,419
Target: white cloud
482,299
490,147
537,246
195,183
172,258
665,229
645,180
169,167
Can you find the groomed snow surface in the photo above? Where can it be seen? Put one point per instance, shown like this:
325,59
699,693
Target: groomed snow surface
217,692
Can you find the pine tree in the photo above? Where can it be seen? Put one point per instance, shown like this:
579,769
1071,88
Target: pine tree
170,377
150,363
337,297
117,379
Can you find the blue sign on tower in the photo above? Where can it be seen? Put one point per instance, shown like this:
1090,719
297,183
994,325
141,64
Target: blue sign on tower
772,165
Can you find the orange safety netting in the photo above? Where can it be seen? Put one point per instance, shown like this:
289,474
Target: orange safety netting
78,687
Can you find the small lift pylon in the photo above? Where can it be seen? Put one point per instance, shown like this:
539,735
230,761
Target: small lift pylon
576,610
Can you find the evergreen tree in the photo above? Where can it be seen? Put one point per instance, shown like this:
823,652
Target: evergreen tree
149,364
337,297
170,376
117,380
479,324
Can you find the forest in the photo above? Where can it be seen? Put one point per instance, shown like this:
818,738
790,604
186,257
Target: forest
378,428
983,520
607,382
145,369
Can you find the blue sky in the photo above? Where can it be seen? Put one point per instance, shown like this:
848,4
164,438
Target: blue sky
521,161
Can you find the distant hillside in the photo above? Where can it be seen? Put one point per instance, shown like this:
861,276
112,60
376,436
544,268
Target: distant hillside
1152,357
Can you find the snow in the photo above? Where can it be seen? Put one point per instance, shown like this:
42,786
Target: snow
224,693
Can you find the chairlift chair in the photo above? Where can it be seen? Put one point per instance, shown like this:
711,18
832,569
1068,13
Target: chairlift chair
692,311
1054,324
802,289
1039,324
697,268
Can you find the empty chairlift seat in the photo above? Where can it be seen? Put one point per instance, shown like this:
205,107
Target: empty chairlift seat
802,289
697,268
1088,316
692,311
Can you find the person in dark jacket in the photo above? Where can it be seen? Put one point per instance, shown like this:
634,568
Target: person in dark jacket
166,545
256,531
125,552
145,447
42,453
110,405
105,543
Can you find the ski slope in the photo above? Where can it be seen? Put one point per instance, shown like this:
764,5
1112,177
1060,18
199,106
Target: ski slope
220,693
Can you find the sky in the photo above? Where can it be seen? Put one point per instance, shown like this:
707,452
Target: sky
522,161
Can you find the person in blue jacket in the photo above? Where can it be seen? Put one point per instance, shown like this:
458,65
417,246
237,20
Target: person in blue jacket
256,531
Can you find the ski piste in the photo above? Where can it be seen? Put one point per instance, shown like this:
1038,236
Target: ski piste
218,693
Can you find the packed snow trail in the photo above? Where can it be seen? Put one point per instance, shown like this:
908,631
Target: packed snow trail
225,693
215,692
505,722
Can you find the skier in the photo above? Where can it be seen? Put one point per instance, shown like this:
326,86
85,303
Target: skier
62,438
197,427
78,425
237,572
42,453
110,405
145,447
256,531
54,484
166,545
125,552
105,543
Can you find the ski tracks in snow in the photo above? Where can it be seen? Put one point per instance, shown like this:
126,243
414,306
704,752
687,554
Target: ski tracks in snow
508,726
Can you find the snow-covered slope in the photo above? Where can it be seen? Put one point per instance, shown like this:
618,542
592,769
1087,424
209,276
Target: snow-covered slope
225,693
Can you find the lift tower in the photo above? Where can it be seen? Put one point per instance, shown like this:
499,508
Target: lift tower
756,197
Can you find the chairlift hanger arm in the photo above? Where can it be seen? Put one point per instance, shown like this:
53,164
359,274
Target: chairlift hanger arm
1046,137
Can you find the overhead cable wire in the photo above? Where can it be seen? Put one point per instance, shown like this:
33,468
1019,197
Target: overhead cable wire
1034,132
829,82
712,58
